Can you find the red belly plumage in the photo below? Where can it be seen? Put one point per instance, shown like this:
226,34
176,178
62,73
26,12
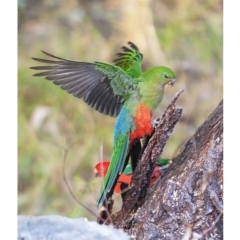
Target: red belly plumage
143,122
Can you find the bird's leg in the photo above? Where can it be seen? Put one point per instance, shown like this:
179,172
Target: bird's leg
123,186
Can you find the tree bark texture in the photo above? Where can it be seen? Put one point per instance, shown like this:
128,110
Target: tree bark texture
187,202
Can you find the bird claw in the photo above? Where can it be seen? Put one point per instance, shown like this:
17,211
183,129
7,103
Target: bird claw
155,122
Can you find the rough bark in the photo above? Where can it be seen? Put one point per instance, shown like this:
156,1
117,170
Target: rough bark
187,202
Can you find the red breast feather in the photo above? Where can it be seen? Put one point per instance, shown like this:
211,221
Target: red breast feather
143,122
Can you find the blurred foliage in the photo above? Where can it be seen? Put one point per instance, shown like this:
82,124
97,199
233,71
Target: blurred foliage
184,35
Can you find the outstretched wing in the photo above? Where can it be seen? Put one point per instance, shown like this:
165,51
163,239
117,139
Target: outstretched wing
102,86
130,60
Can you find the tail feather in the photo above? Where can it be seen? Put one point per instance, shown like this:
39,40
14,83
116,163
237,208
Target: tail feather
116,167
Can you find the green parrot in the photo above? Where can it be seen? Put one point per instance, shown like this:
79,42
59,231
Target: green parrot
119,89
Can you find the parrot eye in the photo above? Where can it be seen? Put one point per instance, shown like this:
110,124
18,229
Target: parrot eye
166,76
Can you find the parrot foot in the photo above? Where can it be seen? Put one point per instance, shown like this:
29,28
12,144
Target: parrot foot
155,122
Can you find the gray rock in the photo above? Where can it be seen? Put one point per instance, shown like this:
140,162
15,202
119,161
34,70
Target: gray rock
63,228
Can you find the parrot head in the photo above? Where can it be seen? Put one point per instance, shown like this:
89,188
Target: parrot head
101,168
166,75
160,75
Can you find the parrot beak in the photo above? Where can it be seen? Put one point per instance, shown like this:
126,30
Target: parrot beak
96,173
172,81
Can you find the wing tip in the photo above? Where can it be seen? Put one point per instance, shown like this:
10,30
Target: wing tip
133,45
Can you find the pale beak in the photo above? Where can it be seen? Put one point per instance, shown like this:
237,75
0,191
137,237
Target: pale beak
96,172
172,81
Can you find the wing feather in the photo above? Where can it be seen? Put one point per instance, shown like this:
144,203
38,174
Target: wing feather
102,86
130,60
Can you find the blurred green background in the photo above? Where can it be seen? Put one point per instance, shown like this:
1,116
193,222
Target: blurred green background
185,35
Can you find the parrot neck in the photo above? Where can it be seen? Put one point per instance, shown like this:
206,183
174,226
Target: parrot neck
151,94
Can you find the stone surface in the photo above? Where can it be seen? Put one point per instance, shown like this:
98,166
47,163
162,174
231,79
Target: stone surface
62,228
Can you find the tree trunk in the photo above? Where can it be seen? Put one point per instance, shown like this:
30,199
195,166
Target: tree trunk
187,202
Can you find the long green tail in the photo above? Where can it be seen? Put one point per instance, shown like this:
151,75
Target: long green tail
117,164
